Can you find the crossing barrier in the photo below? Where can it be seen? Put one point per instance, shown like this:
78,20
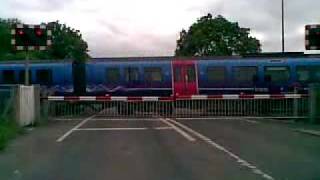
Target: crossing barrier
244,105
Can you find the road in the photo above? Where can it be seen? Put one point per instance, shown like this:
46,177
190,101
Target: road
157,148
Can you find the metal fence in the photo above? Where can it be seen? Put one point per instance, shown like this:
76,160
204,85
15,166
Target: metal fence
275,108
7,102
269,106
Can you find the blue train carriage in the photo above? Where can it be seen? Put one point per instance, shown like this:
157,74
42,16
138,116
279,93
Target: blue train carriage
55,78
306,72
232,76
290,75
253,75
129,77
165,76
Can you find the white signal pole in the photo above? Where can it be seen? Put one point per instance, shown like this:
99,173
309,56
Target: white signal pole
283,48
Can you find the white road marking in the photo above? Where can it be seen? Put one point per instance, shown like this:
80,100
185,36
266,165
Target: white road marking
308,131
110,129
242,162
180,131
162,128
111,119
251,121
205,118
74,128
121,129
66,119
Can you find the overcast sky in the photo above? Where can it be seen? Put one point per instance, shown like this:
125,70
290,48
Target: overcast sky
151,27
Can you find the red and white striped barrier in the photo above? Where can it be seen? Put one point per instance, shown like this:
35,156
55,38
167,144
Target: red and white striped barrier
108,98
166,99
243,96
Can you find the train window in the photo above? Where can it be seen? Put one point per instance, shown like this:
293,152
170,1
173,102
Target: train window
245,74
191,74
131,74
277,74
8,77
22,75
113,75
44,77
308,74
153,74
216,74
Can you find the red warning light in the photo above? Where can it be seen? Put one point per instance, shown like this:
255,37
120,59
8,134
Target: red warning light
30,37
39,32
20,32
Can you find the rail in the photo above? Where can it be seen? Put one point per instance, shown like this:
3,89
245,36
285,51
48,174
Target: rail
254,105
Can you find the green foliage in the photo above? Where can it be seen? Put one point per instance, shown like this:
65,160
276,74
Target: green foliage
67,43
8,131
216,37
5,38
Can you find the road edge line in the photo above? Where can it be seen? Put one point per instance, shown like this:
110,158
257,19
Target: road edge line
65,135
121,129
251,121
242,162
178,130
308,132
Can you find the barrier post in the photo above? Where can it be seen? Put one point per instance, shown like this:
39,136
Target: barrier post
28,105
295,104
314,103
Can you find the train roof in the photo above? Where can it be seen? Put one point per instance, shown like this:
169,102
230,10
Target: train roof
37,61
260,56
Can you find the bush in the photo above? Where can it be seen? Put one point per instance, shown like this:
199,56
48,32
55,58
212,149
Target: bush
8,130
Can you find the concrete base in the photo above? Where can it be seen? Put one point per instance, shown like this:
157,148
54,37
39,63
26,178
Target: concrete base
27,105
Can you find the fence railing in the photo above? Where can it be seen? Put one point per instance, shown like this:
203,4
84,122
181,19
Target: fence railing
7,102
270,106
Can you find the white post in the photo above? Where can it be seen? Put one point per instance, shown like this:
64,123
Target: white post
295,104
27,112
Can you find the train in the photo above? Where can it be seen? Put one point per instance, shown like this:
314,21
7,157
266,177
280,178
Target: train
168,76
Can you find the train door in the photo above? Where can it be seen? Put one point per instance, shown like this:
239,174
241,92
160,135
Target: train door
185,81
79,78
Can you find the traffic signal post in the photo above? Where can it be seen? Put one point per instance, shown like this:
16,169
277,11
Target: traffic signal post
312,37
30,38
26,72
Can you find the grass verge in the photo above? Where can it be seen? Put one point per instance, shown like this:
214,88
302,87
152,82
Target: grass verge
8,131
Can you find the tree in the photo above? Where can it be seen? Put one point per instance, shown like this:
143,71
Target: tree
216,37
5,37
67,43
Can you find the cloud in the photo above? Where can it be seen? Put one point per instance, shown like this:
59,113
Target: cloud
140,44
151,28
264,18
39,5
